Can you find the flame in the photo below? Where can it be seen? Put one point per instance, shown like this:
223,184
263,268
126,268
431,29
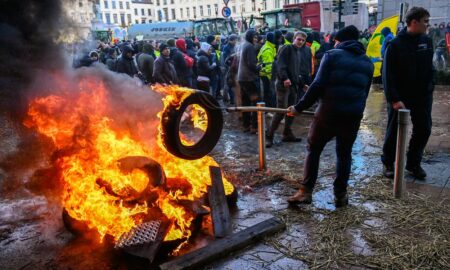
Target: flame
89,146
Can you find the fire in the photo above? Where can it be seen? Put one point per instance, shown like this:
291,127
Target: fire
89,146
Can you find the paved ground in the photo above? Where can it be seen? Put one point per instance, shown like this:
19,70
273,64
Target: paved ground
32,235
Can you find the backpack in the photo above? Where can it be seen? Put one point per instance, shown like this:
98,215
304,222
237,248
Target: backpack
189,61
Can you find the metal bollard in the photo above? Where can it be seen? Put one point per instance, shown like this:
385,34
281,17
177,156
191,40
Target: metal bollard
262,136
400,155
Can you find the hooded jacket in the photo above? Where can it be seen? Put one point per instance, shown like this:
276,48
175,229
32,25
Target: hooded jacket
125,64
408,68
179,63
266,56
248,69
145,62
204,65
342,82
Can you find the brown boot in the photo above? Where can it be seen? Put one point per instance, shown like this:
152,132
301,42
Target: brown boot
302,196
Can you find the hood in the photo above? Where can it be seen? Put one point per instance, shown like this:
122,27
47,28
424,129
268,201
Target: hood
352,46
249,35
278,34
270,37
181,44
147,48
289,37
385,31
126,49
210,39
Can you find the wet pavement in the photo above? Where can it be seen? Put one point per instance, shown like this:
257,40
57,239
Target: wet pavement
32,235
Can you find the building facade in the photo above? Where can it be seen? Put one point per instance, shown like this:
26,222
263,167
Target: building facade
439,9
81,12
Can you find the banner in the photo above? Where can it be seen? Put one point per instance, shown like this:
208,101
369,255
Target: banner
374,47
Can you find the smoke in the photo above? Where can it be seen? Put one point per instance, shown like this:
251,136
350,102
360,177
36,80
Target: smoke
29,30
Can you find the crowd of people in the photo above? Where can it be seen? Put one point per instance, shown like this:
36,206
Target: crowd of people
296,70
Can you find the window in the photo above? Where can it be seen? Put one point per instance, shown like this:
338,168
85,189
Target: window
142,12
201,10
194,10
188,13
171,1
129,18
181,12
80,4
149,11
234,9
105,3
136,21
149,21
174,17
216,9
113,4
159,15
208,7
277,3
108,18
120,4
286,2
135,11
143,20
115,18
166,14
122,19
128,5
164,2
157,2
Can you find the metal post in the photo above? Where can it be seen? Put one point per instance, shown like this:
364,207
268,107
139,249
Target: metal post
262,136
400,156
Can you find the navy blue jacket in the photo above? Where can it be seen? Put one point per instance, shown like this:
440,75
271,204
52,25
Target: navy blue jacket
408,68
342,82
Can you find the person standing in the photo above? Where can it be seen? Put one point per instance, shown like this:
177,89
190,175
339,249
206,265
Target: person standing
163,70
145,62
408,84
266,57
205,68
287,84
125,64
341,86
248,79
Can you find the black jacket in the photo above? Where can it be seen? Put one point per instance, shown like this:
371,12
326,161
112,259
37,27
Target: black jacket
408,68
164,71
248,69
342,82
179,63
204,65
293,62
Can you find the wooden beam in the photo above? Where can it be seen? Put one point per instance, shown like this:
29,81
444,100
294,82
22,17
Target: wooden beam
220,214
221,248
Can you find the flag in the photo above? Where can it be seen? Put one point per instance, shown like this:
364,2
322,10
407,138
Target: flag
374,47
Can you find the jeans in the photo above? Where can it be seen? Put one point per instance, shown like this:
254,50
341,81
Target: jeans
249,97
285,98
269,94
322,130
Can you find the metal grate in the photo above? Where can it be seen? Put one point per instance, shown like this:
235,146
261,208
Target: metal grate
141,234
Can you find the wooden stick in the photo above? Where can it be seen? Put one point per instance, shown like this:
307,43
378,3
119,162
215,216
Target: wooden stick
223,247
220,214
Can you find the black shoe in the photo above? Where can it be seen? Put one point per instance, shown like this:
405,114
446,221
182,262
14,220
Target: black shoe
417,171
269,141
340,199
388,171
291,138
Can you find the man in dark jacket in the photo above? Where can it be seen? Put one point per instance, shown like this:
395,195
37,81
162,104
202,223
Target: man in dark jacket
163,70
288,84
145,62
325,48
187,73
342,94
248,79
408,83
179,63
125,64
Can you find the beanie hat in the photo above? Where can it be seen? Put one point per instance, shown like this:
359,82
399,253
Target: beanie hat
271,37
289,37
210,39
163,46
347,33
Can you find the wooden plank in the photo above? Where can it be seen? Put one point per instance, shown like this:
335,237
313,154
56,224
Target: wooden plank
221,248
220,214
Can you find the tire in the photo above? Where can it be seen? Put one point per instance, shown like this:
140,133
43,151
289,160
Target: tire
171,126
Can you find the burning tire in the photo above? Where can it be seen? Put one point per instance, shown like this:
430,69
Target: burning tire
171,127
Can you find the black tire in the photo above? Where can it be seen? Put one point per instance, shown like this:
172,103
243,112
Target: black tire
171,127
